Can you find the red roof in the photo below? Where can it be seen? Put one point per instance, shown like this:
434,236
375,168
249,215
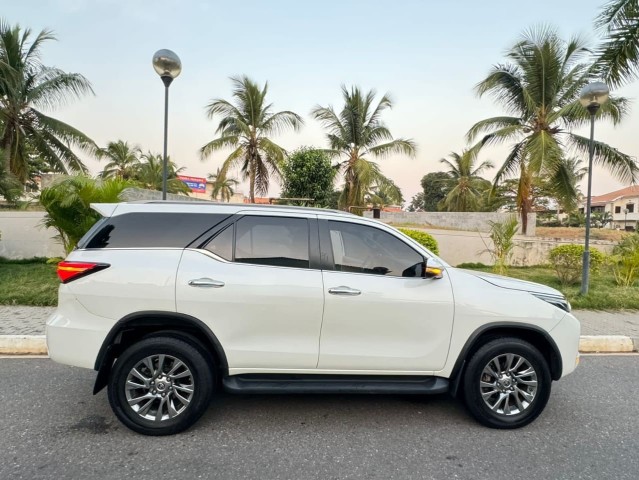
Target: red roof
259,200
632,191
392,208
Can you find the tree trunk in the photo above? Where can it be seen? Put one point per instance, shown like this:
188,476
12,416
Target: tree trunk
5,152
252,184
526,207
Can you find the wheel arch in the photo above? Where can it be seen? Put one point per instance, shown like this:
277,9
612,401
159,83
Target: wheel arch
538,337
136,326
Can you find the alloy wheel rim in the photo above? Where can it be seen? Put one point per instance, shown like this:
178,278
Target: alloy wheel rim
508,384
159,388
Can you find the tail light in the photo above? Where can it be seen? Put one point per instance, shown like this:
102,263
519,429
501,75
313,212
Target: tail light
68,271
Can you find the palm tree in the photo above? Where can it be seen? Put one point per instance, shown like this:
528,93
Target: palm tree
149,174
387,193
354,135
467,186
618,57
26,88
123,160
563,186
223,187
245,127
68,205
539,87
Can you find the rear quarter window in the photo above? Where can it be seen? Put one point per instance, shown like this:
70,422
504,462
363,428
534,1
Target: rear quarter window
151,230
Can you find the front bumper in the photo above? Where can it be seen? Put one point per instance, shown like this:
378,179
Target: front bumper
566,336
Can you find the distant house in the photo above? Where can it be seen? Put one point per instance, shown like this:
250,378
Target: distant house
622,205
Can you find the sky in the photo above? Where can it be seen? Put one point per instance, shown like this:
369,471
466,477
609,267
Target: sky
428,54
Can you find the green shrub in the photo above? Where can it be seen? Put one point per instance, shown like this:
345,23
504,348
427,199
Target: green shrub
625,261
567,260
422,238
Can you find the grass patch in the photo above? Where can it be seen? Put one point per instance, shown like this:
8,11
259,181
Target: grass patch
580,233
603,294
28,282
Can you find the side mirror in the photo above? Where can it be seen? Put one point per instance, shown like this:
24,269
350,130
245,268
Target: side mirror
432,269
426,269
415,271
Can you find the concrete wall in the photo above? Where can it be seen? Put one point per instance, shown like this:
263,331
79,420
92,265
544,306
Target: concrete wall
24,237
471,221
462,247
138,194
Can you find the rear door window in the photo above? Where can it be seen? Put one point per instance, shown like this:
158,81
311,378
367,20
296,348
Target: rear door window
273,241
152,230
222,244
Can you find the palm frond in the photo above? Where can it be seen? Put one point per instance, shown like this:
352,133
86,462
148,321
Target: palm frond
56,88
622,166
618,56
218,144
282,121
543,152
512,163
574,115
399,145
491,124
65,132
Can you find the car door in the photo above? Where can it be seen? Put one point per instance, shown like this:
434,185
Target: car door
253,285
379,314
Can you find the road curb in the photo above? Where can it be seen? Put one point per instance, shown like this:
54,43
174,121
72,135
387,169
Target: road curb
23,345
607,344
37,345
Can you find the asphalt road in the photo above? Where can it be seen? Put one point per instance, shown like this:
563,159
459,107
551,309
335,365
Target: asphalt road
51,427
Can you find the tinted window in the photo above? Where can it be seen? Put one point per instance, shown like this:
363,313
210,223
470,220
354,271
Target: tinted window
87,236
222,244
362,249
276,241
148,230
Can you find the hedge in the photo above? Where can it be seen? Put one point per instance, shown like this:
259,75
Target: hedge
422,238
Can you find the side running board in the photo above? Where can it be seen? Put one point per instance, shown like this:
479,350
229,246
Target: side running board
312,384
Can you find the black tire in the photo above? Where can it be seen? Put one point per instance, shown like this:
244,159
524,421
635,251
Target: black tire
199,378
508,386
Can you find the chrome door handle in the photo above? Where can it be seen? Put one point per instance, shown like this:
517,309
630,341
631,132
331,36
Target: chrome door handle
343,290
206,283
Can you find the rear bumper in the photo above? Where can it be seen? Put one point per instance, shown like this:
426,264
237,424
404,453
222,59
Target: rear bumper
566,335
75,336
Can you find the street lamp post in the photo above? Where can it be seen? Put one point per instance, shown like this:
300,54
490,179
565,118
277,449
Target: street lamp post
592,97
168,66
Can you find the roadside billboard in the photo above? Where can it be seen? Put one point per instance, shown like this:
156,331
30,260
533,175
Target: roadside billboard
196,184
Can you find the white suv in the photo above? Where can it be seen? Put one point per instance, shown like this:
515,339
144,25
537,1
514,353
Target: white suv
170,302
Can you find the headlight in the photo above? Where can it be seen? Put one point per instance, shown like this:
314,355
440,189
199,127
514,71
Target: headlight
557,301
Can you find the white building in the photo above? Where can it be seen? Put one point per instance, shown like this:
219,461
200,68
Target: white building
623,206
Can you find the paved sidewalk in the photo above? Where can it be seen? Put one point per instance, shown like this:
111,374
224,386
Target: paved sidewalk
20,320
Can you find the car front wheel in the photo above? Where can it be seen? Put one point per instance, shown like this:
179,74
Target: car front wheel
160,386
507,383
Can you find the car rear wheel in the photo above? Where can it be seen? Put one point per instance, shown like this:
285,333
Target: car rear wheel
507,383
160,386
